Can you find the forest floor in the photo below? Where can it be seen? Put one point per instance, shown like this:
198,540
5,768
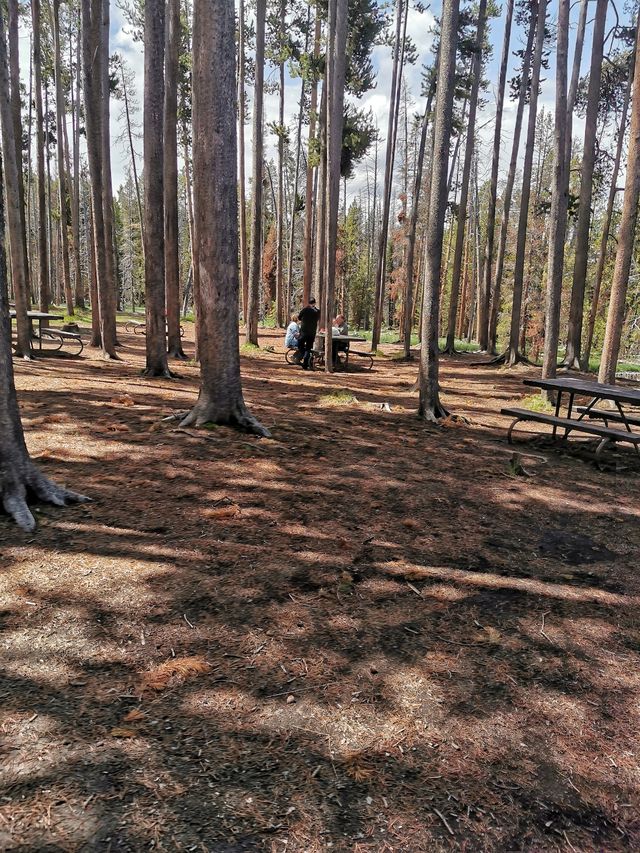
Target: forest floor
364,634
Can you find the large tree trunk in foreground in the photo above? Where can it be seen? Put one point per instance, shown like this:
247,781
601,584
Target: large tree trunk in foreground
513,355
280,212
171,264
16,219
43,256
255,251
485,288
559,201
430,407
576,312
216,217
335,101
156,350
108,321
19,477
626,237
466,175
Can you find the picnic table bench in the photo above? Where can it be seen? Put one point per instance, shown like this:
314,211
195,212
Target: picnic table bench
584,423
139,328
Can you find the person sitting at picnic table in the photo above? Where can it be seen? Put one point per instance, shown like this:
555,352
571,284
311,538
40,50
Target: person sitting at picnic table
308,318
292,334
339,327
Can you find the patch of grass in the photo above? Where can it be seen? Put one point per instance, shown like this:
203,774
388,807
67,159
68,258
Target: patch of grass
249,349
536,403
461,346
341,397
377,353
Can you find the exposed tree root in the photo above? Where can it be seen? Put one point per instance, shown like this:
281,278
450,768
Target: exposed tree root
238,416
434,414
177,353
16,492
509,358
449,350
163,373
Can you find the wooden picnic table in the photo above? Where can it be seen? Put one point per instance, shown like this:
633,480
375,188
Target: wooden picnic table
56,336
588,419
348,340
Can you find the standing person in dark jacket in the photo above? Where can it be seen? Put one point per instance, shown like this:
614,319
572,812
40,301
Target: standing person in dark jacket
308,318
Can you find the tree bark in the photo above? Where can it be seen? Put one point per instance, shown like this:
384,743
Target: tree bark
255,252
575,77
394,104
626,238
108,321
335,81
430,408
606,227
280,212
311,172
79,294
20,480
576,311
15,215
244,252
485,290
321,205
513,354
94,115
413,222
16,109
171,253
154,220
216,217
43,257
62,171
466,175
559,200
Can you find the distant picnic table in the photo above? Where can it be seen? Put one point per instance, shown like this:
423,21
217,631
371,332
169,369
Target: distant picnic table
588,419
54,339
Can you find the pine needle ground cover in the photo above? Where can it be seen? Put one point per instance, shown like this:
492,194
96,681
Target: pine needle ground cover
364,634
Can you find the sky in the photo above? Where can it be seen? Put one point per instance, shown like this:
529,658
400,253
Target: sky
420,28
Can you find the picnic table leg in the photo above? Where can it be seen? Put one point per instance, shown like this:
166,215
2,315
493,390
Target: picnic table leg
558,402
569,411
626,423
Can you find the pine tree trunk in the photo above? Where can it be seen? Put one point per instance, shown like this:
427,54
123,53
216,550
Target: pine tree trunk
280,208
485,291
513,354
335,81
79,295
14,214
108,315
255,251
43,257
394,103
154,250
20,480
321,205
413,222
244,251
626,238
171,253
62,172
311,172
575,77
430,407
216,217
576,311
466,175
559,200
606,227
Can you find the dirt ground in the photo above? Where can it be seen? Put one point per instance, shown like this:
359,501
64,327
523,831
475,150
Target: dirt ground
364,634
